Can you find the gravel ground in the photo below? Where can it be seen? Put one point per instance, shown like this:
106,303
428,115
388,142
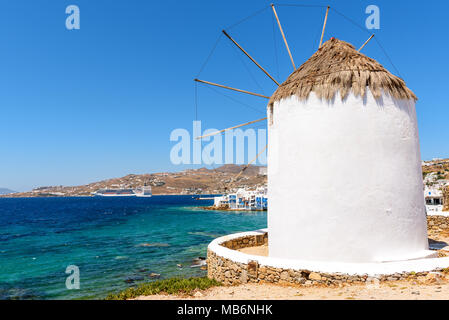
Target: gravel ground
398,290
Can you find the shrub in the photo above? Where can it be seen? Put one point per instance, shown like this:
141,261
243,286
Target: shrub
167,286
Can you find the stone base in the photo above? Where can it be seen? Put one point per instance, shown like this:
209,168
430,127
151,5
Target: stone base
229,266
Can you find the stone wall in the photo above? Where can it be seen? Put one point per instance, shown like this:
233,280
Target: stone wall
446,198
245,242
230,272
437,225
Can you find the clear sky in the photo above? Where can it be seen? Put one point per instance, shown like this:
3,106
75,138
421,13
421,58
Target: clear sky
100,102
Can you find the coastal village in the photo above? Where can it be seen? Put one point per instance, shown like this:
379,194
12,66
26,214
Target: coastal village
436,185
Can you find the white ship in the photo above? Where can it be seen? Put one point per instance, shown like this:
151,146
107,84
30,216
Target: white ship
139,192
144,192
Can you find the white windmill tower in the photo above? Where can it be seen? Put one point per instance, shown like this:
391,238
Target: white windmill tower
344,165
344,174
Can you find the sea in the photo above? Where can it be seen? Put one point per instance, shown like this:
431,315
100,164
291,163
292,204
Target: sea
113,242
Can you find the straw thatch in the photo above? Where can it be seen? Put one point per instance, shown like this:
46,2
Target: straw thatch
337,66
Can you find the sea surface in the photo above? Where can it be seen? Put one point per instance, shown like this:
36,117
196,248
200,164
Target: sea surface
115,242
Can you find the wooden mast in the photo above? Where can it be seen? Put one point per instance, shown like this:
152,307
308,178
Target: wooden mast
246,167
230,88
324,26
251,58
227,129
366,42
283,36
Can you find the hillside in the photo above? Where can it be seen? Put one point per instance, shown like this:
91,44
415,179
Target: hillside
198,181
5,191
438,168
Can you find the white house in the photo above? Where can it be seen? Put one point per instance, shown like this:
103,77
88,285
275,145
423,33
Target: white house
433,196
243,199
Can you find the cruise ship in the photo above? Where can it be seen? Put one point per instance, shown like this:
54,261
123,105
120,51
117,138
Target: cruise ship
139,192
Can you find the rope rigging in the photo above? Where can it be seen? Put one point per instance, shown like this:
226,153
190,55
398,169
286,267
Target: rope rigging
247,18
274,15
375,38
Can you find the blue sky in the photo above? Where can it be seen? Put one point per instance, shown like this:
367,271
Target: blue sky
83,105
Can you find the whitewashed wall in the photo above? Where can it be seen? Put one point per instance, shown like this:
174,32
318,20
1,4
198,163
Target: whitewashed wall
345,180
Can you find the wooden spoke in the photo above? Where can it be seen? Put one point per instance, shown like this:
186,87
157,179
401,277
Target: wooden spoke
324,25
283,36
366,42
230,88
251,58
227,129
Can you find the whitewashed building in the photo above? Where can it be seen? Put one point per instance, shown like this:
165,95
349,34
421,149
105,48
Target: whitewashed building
434,198
243,199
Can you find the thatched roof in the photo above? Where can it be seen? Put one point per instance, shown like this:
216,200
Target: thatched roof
337,66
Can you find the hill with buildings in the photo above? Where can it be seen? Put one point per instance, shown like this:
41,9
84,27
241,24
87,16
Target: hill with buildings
195,181
436,173
438,166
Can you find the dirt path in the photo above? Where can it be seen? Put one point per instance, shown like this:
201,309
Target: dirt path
385,291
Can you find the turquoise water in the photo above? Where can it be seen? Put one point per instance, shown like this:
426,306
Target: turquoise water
115,242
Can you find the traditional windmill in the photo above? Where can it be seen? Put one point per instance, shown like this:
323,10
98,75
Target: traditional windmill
344,174
344,165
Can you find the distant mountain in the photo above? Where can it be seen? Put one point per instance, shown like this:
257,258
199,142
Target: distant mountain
232,168
5,191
